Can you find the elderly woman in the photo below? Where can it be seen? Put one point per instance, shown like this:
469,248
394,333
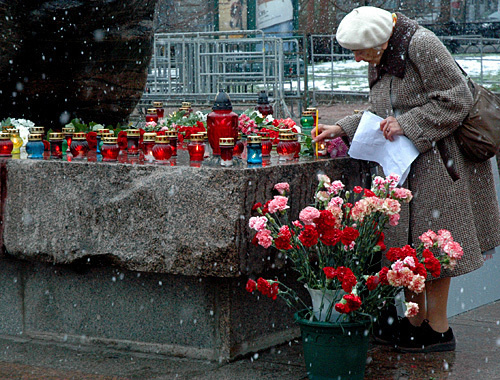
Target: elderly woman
418,88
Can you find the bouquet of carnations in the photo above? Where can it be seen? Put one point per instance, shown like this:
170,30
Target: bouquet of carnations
336,245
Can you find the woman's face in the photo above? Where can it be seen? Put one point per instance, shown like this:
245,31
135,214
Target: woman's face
372,55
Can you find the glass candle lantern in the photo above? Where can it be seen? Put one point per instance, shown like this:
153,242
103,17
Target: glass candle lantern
208,149
307,122
151,115
196,148
186,107
148,142
263,105
17,141
79,146
239,146
56,141
162,150
38,130
172,137
133,136
267,144
254,150
160,111
34,147
110,148
221,122
286,148
68,135
226,145
313,112
6,145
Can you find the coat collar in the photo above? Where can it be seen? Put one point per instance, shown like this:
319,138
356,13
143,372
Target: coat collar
395,56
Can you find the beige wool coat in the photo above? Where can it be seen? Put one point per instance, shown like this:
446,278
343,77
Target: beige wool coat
431,100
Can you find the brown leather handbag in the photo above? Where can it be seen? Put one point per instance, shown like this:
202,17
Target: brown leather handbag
479,135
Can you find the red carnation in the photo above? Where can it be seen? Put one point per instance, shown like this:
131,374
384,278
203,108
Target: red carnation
308,236
255,241
353,302
274,291
251,285
432,265
256,206
372,282
420,269
122,140
331,237
357,189
382,276
325,222
341,308
394,254
263,286
369,193
330,272
282,242
91,140
46,145
349,234
347,278
408,251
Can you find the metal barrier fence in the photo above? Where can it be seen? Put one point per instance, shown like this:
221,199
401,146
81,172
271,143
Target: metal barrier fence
195,66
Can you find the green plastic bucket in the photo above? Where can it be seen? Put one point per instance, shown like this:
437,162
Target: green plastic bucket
334,351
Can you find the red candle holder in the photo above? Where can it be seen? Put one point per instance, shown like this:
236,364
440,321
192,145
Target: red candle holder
239,147
286,148
6,145
313,112
68,135
151,115
196,148
133,136
110,149
297,145
148,142
172,136
160,111
221,122
56,140
162,150
226,145
79,146
267,144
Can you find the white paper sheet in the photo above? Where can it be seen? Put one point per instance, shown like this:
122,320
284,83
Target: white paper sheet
369,144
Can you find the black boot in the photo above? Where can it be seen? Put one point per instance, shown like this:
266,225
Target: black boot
425,339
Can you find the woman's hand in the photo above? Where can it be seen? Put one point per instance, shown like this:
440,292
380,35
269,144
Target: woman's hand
327,132
390,127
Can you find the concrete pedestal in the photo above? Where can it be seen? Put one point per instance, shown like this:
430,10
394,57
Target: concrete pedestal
150,258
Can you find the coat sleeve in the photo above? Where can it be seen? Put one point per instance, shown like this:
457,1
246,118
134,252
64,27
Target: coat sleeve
448,96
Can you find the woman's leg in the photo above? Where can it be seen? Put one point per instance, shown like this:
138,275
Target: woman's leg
419,299
437,302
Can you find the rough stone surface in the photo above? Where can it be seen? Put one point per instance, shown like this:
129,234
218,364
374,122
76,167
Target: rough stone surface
178,220
61,59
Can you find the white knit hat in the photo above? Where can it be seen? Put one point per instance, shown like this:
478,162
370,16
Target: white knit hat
364,28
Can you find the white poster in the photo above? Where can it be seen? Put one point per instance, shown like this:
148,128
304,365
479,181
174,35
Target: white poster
273,12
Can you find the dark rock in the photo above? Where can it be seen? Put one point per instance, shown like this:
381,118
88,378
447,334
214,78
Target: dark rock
65,58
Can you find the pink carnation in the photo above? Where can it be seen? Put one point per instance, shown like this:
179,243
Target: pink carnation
336,187
417,284
409,261
378,183
258,223
264,238
403,194
308,215
335,202
282,187
454,250
279,203
394,220
428,238
297,224
393,180
443,237
411,309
